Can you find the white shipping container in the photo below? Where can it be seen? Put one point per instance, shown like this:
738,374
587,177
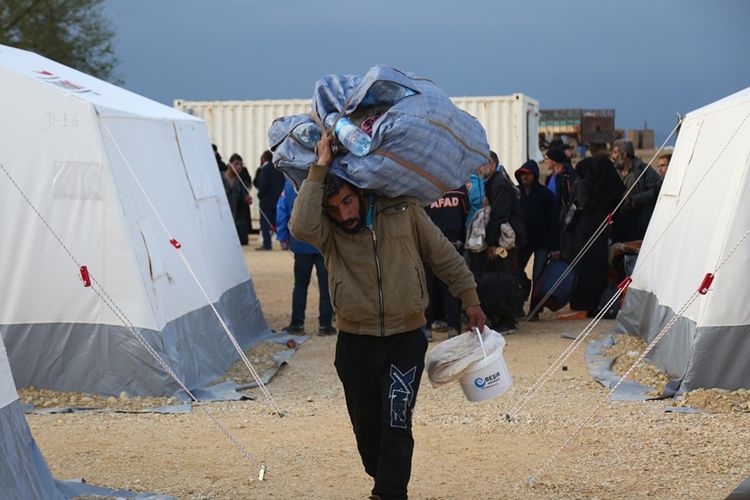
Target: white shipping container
511,123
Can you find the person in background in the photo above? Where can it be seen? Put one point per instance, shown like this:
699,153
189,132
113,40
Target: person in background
374,248
662,168
475,194
270,182
502,245
635,213
570,153
504,208
598,191
663,164
239,199
560,182
219,162
540,218
477,199
449,214
305,258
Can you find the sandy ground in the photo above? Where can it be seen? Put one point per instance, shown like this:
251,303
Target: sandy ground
463,449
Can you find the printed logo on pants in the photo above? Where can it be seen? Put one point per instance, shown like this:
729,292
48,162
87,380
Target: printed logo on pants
400,394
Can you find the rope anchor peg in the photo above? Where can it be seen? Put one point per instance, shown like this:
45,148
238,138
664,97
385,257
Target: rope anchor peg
85,276
706,284
262,473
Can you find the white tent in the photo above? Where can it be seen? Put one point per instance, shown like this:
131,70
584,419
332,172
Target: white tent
93,159
23,471
703,212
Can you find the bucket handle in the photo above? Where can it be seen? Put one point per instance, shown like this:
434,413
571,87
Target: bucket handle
481,342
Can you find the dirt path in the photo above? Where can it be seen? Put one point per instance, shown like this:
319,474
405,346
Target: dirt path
463,450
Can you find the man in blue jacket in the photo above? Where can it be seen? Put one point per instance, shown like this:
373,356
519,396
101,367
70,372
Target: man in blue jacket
306,257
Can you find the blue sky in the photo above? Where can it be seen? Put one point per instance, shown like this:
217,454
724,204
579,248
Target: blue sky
647,59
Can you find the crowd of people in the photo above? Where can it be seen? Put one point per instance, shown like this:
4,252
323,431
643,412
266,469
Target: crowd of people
548,212
390,271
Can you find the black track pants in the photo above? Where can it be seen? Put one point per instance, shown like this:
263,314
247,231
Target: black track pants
381,378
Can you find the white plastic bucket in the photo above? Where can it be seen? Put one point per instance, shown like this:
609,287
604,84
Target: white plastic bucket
486,378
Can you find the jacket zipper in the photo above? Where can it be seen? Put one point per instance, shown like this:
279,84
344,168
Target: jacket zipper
380,280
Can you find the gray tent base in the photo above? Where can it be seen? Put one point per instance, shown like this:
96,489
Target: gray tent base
742,492
223,391
77,488
109,359
24,473
699,356
600,369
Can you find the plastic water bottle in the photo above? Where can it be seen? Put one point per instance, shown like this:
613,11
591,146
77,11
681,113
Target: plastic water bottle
356,141
308,134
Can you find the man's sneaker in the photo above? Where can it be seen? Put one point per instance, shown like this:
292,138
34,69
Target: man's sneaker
295,329
326,330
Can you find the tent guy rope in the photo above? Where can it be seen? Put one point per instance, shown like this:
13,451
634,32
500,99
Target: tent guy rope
702,289
90,281
175,243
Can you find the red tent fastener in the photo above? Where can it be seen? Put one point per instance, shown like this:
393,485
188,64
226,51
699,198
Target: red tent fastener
175,243
625,283
706,284
85,276
610,218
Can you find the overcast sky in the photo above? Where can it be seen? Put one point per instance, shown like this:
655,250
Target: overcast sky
647,59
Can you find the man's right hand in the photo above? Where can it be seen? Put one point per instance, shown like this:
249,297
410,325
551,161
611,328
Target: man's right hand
323,149
284,244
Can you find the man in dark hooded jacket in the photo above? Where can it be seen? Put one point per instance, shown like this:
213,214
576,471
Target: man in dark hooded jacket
541,219
635,214
504,208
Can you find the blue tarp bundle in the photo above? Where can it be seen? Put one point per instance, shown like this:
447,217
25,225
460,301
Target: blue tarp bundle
422,145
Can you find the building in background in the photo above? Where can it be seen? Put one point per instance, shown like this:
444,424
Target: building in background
594,128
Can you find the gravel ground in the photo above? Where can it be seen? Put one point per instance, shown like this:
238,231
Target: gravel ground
463,450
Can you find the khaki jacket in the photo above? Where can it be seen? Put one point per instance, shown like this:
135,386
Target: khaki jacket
376,276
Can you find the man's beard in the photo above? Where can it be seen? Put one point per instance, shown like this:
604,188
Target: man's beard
360,220
619,163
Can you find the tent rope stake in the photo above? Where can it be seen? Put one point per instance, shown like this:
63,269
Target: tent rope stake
101,292
703,288
176,244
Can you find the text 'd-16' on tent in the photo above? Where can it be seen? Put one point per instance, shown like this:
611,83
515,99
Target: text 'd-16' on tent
702,214
116,177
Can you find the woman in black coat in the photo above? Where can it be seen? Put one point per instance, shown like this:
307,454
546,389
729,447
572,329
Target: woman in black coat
599,194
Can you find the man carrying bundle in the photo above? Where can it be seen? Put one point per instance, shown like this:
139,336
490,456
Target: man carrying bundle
374,249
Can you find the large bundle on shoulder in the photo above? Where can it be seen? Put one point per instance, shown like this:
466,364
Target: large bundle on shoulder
399,135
